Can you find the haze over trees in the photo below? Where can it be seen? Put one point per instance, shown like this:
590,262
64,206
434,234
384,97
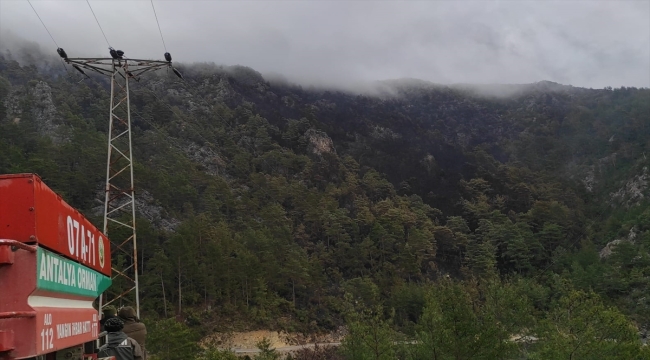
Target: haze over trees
432,222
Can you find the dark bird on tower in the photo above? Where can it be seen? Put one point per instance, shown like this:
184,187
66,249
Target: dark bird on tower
116,54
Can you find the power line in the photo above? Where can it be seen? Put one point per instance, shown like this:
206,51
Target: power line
161,36
49,33
100,27
39,18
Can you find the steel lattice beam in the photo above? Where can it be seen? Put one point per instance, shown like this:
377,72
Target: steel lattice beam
119,203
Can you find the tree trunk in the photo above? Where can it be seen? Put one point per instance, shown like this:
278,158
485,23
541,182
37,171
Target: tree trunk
247,304
180,296
162,283
141,258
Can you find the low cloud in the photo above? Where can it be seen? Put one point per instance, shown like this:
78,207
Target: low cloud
340,44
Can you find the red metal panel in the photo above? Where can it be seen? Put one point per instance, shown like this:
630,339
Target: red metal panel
41,322
17,221
60,328
52,329
6,340
32,213
17,282
6,255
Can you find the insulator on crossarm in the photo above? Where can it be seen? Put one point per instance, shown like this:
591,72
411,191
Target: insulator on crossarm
168,57
62,53
178,73
113,53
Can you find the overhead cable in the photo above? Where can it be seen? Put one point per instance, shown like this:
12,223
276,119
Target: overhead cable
161,35
49,33
39,18
100,27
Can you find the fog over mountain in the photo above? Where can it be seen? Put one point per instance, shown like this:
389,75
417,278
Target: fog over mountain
483,192
586,44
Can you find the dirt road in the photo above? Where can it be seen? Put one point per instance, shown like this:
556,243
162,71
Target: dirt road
284,349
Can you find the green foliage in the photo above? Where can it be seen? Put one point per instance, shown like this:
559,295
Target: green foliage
266,351
5,88
218,355
317,353
581,327
171,340
250,219
459,323
370,337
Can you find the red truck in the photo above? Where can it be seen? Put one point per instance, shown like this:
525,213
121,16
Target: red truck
53,264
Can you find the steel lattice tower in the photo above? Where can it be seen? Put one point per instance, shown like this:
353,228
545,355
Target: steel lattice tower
119,202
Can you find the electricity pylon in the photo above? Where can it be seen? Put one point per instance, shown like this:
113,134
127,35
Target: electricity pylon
119,201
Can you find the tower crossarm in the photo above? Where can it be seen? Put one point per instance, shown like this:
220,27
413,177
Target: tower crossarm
105,66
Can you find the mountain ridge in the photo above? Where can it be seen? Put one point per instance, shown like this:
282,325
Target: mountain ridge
272,203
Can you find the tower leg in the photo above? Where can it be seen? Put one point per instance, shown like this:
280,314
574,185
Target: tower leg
119,201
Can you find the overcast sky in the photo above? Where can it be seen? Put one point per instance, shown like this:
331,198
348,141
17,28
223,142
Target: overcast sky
582,43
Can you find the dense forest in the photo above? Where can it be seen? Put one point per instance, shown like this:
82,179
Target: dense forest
431,222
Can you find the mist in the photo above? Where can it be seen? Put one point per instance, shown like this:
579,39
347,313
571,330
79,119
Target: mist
357,46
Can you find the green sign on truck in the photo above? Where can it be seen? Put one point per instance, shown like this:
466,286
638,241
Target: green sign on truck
58,274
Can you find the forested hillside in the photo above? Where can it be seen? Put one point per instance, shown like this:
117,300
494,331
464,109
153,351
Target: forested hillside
486,211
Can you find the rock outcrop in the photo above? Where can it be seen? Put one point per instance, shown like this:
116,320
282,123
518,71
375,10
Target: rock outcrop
319,142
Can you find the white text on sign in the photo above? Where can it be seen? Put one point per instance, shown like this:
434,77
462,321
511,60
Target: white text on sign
47,334
72,329
81,241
